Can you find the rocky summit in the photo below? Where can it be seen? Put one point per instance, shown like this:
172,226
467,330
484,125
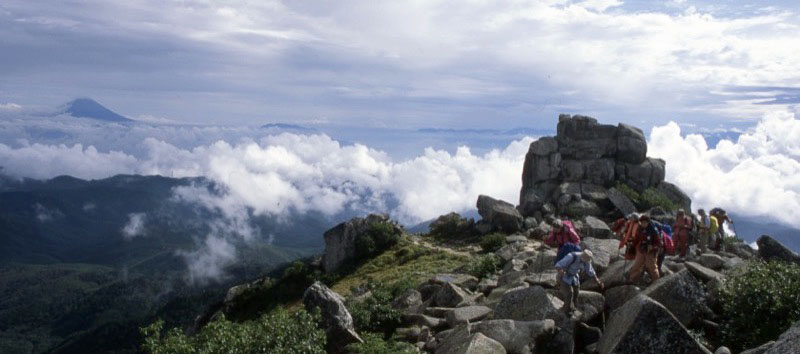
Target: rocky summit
576,172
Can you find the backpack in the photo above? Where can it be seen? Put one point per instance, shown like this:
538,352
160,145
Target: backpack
669,245
566,249
569,228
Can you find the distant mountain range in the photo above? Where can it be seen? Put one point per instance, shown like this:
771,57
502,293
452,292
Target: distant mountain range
289,127
514,131
89,108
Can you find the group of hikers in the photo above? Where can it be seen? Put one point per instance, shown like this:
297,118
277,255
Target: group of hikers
646,242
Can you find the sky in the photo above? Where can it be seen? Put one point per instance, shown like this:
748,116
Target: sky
714,85
445,64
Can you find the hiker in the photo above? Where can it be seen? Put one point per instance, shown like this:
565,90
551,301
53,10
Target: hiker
703,225
713,230
647,244
722,217
667,245
681,228
569,278
565,237
627,232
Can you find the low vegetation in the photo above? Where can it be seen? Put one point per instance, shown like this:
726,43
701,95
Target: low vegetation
375,344
276,332
452,227
747,322
484,266
492,242
649,198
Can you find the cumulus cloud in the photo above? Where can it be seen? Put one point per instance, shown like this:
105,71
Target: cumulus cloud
758,174
13,107
135,226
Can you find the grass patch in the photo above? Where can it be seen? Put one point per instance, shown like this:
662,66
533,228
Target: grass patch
404,261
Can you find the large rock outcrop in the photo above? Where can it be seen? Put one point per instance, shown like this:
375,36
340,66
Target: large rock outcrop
645,326
682,295
336,320
771,249
573,170
500,214
340,241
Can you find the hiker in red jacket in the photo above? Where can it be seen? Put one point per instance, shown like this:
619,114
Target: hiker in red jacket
680,229
648,245
627,232
564,236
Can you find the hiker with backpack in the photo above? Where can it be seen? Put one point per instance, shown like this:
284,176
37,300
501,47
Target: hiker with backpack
683,224
564,236
648,244
569,269
721,216
704,227
627,232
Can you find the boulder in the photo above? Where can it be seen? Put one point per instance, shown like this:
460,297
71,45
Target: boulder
336,320
613,276
585,334
547,279
713,261
450,295
542,261
631,144
591,305
530,222
788,342
424,321
619,295
527,304
580,208
594,227
465,281
682,295
643,325
702,273
642,176
761,349
340,241
467,314
500,214
675,195
770,249
582,138
517,337
409,299
486,285
539,167
605,251
620,201
462,342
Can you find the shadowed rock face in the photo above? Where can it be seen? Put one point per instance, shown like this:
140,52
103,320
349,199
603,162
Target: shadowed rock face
590,157
645,326
336,320
771,249
340,241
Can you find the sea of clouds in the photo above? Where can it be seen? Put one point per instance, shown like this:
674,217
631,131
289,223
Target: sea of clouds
276,174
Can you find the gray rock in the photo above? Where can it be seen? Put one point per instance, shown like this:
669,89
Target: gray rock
450,295
486,285
538,167
541,231
621,201
713,261
542,261
645,326
618,296
336,320
515,265
591,305
581,208
743,250
497,294
547,279
682,295
461,341
543,146
675,194
605,251
428,290
642,176
723,350
340,240
439,312
511,277
601,171
594,227
500,214
760,349
467,314
410,298
410,334
770,249
516,239
424,321
586,334
631,145
527,304
465,281
788,342
702,273
611,277
530,222
517,337
734,262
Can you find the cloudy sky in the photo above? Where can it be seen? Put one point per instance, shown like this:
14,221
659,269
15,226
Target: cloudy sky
411,63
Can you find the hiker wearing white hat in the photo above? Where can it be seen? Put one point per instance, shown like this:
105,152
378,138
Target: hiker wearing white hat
569,269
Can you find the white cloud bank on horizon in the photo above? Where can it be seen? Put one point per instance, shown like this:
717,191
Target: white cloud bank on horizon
757,175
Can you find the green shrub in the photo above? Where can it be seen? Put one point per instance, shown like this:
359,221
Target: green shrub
375,313
484,266
628,191
276,332
374,344
759,302
651,198
493,242
379,237
452,226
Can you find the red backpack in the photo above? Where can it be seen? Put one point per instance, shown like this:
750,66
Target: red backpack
669,245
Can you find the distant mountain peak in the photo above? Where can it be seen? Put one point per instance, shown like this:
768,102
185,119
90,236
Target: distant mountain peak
285,126
89,108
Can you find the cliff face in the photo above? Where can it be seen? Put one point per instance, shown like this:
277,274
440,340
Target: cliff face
572,173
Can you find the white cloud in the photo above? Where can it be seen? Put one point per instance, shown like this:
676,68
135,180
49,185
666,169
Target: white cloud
13,107
207,262
758,175
135,226
44,214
